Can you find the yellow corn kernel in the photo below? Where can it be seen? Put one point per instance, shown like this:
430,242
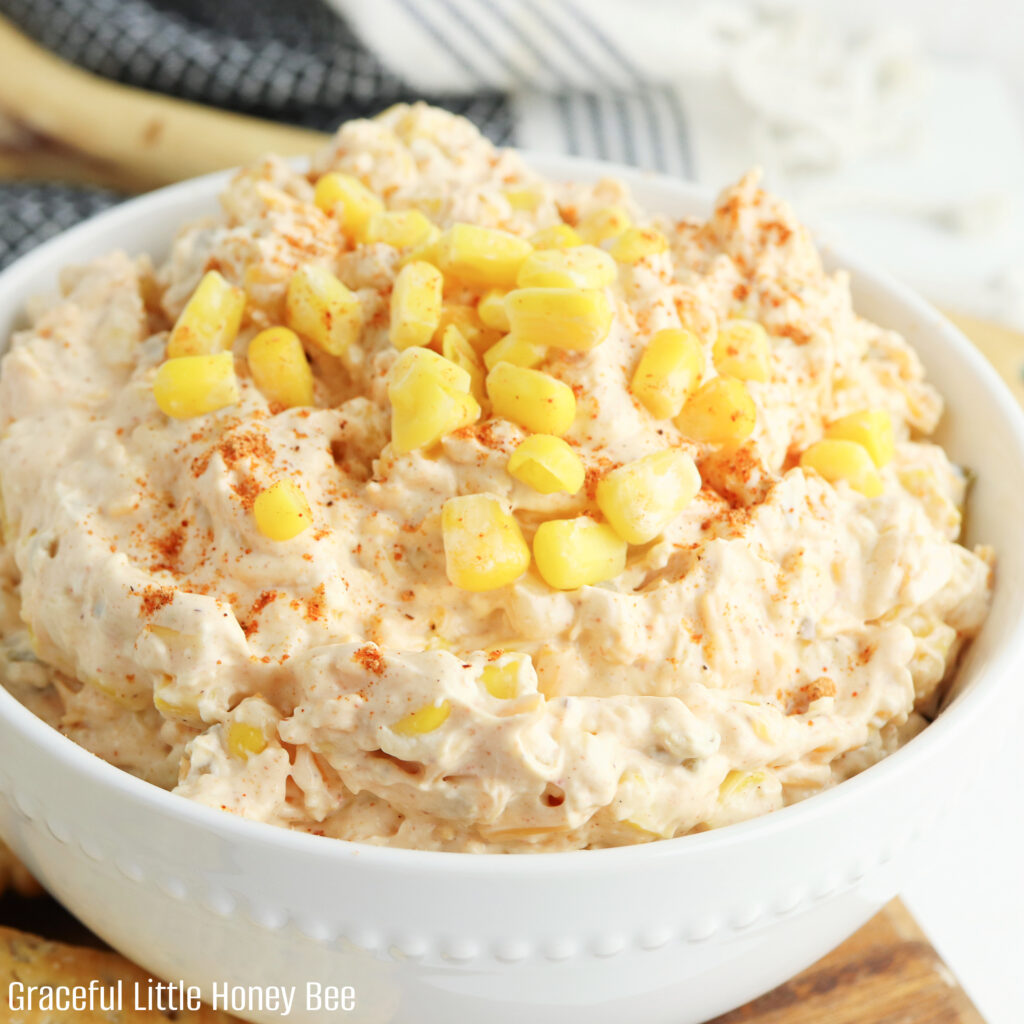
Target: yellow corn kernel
766,732
461,315
736,782
185,709
501,680
601,224
415,305
922,483
547,464
512,349
119,692
174,638
635,244
635,793
669,371
457,350
400,229
527,199
245,739
416,362
427,719
742,350
557,236
482,257
871,428
210,319
470,326
572,553
429,398
319,307
281,511
193,385
844,460
358,203
719,412
279,368
426,251
534,400
571,318
483,545
491,309
584,266
432,206
641,498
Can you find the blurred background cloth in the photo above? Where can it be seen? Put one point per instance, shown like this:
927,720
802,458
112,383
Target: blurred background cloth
912,161
296,62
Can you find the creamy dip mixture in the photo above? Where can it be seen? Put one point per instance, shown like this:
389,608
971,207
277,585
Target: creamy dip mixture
786,627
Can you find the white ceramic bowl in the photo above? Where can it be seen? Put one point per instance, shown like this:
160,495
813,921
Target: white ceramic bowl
672,932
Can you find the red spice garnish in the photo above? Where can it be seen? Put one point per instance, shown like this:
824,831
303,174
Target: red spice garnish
316,606
371,659
247,491
250,624
800,700
167,548
779,229
234,447
795,334
484,432
155,598
594,473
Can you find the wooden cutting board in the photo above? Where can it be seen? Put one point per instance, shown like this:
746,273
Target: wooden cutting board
887,973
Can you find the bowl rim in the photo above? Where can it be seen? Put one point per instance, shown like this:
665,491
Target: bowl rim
968,706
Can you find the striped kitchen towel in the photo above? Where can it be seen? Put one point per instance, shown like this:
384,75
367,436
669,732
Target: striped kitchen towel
595,79
699,89
297,62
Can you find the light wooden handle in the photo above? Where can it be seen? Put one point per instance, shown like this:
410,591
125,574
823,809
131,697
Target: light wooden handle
141,137
1002,346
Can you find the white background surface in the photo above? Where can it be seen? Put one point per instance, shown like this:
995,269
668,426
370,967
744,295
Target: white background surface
968,889
990,31
968,893
943,208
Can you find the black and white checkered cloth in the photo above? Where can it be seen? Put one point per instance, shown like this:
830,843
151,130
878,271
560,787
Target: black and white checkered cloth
294,61
31,213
